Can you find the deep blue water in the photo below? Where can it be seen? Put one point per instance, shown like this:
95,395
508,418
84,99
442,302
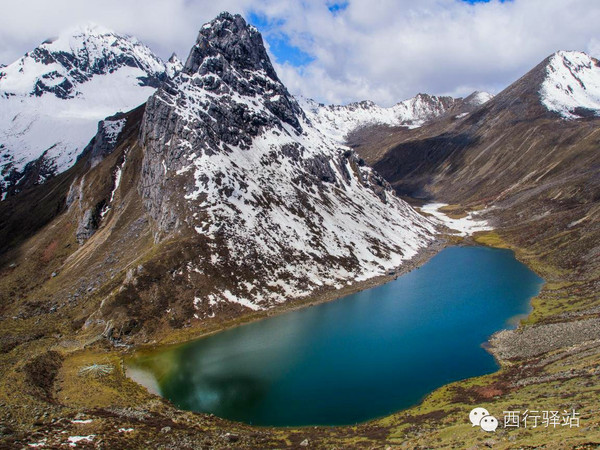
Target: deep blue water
363,356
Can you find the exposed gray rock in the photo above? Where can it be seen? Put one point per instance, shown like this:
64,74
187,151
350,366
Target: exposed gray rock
87,225
105,140
536,340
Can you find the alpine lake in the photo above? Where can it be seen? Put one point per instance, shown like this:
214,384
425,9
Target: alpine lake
363,356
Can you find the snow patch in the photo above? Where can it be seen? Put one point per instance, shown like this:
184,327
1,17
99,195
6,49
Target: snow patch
463,227
74,440
113,128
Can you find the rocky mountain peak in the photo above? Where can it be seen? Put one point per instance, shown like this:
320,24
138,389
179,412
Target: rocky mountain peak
229,40
232,163
52,98
59,65
229,77
338,121
571,85
173,65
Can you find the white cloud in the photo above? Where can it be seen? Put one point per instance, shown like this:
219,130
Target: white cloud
384,50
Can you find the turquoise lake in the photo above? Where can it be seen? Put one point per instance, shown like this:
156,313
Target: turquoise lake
360,357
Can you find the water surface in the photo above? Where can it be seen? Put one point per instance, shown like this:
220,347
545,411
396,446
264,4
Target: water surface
363,356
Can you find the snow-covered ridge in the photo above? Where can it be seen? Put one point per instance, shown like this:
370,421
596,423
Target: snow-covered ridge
339,120
572,85
52,98
59,65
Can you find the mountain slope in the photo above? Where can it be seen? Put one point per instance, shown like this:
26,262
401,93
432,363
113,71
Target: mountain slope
529,155
52,98
275,203
217,199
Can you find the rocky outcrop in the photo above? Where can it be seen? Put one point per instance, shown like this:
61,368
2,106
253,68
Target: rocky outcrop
105,140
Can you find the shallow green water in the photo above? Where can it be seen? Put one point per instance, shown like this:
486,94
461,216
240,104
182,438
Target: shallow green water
360,357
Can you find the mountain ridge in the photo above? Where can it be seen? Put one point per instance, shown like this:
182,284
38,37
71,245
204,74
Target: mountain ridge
52,98
339,121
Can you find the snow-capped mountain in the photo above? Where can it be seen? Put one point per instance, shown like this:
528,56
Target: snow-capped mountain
52,98
571,86
339,120
277,208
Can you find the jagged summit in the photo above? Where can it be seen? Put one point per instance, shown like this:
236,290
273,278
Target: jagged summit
337,121
61,64
173,65
229,37
230,57
571,86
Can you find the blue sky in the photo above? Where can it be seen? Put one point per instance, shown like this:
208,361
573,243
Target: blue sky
338,51
279,43
281,47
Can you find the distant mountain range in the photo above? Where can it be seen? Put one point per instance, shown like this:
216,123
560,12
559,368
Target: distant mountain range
339,120
53,98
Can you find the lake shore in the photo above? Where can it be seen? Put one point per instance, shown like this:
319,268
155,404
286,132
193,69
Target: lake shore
387,339
448,236
178,337
114,402
456,233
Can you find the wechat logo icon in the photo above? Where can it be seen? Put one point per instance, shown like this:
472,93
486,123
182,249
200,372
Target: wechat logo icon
480,417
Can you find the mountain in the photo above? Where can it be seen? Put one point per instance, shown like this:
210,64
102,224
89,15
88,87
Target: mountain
338,121
478,153
217,198
52,98
528,157
230,155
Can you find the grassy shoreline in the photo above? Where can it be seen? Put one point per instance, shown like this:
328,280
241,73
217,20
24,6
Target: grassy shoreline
115,402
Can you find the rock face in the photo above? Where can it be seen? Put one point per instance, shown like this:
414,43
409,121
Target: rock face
103,143
276,208
52,98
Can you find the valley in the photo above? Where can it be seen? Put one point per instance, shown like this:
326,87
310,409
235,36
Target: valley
224,199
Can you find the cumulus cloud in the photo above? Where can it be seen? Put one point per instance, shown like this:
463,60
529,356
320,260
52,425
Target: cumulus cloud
386,50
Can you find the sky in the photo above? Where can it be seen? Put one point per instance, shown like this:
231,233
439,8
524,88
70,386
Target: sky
338,51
